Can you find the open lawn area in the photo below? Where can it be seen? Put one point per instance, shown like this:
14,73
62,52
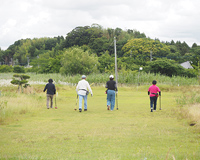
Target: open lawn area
132,132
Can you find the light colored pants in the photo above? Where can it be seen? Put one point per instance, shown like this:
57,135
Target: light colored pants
81,97
49,98
111,99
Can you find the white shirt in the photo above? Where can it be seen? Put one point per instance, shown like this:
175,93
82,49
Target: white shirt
82,86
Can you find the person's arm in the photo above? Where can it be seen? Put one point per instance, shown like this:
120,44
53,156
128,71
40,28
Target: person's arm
45,88
54,89
77,87
106,85
90,90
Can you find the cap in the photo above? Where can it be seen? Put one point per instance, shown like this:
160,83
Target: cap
83,77
111,76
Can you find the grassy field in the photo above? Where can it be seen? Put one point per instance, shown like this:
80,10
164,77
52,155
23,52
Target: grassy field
132,132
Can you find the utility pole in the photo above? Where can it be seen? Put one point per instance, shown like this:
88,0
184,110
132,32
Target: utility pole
116,75
151,56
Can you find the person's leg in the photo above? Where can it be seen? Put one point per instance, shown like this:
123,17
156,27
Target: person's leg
151,103
108,99
51,100
112,100
85,102
80,102
155,102
47,101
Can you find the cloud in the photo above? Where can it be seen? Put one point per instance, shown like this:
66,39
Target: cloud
163,19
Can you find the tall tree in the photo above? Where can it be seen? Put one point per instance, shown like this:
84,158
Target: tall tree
77,61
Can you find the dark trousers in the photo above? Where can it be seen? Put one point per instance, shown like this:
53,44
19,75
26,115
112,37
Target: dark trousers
153,101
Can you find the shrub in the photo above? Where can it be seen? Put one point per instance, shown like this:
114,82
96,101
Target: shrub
6,68
19,69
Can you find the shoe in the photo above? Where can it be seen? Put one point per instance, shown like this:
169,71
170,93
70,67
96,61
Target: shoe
151,110
55,107
108,107
85,109
80,110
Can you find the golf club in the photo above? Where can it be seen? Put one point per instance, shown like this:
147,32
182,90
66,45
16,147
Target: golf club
116,101
76,102
160,101
55,103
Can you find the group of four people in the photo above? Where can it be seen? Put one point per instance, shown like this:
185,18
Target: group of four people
83,89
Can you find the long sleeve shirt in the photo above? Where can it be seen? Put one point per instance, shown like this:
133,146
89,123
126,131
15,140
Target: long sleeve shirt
82,87
51,89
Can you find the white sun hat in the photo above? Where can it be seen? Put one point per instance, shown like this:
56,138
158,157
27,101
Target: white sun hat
111,76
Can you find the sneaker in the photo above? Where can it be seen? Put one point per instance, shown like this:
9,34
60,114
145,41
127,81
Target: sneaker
108,107
85,109
151,110
80,110
56,108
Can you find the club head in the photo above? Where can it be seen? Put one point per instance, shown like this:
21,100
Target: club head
160,108
75,109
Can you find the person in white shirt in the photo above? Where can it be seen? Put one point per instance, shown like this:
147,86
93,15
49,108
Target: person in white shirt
82,91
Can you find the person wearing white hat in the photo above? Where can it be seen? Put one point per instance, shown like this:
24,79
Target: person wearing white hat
111,89
82,91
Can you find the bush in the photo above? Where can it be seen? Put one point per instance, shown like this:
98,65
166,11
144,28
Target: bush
19,69
6,68
169,68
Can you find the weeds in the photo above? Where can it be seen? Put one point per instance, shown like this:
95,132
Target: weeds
133,78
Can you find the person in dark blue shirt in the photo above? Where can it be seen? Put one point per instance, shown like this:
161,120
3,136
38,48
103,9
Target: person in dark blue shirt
51,90
111,88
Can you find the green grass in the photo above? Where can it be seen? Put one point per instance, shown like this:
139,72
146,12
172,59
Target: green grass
132,132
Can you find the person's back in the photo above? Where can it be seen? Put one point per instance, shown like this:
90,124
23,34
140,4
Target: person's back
153,93
50,87
51,90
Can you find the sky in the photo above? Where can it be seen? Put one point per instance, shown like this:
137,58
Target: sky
165,20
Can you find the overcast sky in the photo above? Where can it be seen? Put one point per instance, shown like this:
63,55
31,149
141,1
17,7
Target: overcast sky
166,20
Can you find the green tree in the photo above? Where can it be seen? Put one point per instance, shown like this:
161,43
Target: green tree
106,62
77,61
21,81
169,68
141,48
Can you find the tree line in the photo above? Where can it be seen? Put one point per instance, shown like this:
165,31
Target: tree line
90,49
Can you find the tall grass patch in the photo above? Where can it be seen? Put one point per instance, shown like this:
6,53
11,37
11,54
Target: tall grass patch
189,105
14,104
127,78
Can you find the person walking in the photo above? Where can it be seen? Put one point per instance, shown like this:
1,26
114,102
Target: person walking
51,90
111,89
82,91
153,93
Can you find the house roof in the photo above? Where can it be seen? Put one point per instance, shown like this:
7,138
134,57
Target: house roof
186,65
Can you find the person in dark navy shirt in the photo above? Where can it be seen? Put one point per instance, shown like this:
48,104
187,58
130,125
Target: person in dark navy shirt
111,86
51,90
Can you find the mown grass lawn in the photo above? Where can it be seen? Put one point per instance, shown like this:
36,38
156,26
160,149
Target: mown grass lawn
132,132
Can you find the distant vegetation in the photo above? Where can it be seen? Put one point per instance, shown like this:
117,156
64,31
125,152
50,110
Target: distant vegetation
90,49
